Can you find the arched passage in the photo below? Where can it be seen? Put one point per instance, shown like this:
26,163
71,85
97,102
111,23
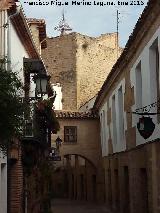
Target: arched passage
81,156
78,178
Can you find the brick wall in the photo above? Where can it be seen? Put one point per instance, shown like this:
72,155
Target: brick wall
15,183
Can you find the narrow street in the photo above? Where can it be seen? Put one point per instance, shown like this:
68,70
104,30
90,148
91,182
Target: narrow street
70,206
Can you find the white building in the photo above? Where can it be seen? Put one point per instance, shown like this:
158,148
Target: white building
131,162
3,183
16,45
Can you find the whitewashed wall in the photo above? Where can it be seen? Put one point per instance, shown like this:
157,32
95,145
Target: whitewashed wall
118,128
148,96
3,34
118,137
3,158
3,183
120,143
89,105
149,87
12,47
17,53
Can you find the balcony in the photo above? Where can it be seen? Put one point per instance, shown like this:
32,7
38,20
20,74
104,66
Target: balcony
35,128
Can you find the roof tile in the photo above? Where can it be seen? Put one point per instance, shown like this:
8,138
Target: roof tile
71,114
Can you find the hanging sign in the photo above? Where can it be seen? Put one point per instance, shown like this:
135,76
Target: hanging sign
145,127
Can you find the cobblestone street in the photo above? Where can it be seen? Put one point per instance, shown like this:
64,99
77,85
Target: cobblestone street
70,206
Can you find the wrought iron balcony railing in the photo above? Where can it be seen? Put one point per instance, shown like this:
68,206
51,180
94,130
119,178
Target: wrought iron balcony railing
35,127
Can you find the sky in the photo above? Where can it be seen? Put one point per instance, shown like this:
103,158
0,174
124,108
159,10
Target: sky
92,20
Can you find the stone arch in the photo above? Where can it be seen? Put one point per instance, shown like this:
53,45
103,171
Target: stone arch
85,153
81,179
78,180
82,156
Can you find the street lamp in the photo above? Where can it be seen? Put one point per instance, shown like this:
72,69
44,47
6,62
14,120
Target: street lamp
54,155
52,152
58,143
41,81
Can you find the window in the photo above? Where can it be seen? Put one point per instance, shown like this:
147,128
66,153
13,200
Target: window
101,119
121,118
139,85
103,132
70,134
104,127
154,72
114,120
154,63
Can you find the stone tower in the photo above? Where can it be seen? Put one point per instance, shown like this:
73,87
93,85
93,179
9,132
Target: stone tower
80,64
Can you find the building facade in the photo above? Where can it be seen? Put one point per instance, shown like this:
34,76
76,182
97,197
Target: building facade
78,175
22,54
131,163
3,183
78,66
3,158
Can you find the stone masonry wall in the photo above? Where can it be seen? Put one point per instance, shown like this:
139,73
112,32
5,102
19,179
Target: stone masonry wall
84,159
95,58
80,64
60,59
88,139
15,183
132,180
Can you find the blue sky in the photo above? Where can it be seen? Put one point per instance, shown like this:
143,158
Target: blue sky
91,20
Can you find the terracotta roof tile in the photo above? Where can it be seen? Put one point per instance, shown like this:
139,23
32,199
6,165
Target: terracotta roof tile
35,20
42,29
70,114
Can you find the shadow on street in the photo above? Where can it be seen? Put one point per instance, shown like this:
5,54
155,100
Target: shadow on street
72,206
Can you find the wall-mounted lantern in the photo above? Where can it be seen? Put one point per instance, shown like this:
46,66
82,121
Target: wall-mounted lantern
52,152
58,142
41,81
53,155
